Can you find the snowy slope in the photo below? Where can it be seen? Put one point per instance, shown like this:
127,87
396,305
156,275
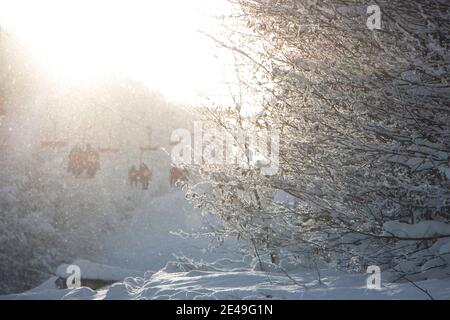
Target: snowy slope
227,279
150,240
166,266
235,282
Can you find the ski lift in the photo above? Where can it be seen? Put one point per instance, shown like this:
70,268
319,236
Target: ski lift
84,161
143,174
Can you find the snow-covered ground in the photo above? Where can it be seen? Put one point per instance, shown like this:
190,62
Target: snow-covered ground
228,279
149,261
152,238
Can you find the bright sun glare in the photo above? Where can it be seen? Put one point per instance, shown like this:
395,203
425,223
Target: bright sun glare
153,41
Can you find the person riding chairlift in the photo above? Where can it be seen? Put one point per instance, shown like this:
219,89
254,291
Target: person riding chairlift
92,161
133,176
145,175
76,161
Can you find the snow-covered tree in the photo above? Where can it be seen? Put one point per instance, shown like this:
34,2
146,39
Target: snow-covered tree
364,122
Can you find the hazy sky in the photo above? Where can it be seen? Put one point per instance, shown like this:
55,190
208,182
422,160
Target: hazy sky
154,41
